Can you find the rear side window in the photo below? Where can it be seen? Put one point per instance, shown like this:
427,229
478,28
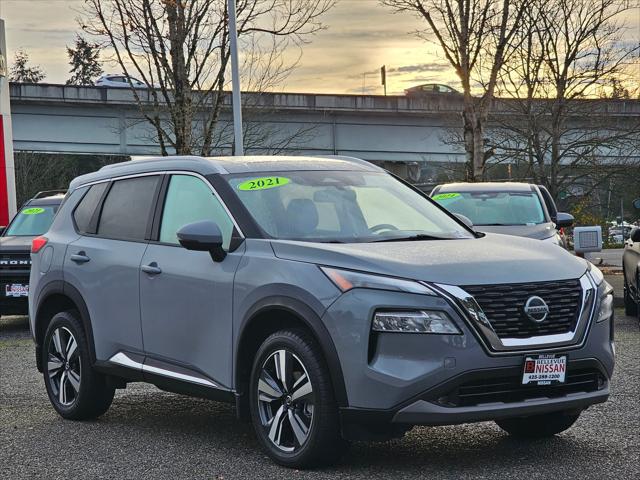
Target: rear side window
127,209
87,207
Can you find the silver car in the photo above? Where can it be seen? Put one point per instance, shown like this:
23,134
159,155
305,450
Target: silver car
325,298
510,208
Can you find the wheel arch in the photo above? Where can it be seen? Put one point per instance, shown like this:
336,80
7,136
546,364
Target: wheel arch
55,297
268,316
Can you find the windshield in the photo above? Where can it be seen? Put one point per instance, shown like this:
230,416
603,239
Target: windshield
341,206
495,208
32,221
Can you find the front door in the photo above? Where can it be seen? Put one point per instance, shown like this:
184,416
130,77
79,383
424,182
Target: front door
186,297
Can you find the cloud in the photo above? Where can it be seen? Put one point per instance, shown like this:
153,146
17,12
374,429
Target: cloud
420,68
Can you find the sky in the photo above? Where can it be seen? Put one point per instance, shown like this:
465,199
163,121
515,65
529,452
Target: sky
345,58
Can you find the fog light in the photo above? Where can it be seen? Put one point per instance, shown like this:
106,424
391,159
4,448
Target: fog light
420,321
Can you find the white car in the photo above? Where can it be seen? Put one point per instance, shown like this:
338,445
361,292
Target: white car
114,80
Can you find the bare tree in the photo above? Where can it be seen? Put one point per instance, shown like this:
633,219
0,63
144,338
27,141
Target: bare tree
571,51
21,71
475,36
181,50
84,58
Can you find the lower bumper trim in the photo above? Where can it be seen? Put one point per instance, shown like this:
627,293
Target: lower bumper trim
422,412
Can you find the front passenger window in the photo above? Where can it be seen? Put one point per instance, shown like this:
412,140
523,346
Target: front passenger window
189,200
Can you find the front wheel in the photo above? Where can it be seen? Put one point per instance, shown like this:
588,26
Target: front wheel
538,426
293,409
630,305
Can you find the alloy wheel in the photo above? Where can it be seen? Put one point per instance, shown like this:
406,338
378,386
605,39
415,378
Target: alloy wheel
285,401
64,366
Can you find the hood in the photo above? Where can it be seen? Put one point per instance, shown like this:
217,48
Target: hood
16,243
537,231
492,259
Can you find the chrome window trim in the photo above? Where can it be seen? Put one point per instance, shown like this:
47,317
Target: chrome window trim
472,313
123,360
171,172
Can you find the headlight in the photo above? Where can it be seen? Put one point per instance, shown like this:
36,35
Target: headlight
605,309
596,275
420,321
345,280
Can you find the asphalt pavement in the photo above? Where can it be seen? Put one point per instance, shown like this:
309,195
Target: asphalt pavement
151,434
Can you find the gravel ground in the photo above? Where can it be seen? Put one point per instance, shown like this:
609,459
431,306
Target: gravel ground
151,434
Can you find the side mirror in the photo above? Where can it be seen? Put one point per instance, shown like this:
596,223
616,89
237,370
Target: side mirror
564,220
636,203
635,235
466,220
203,236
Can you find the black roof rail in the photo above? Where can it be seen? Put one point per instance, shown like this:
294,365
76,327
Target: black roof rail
49,193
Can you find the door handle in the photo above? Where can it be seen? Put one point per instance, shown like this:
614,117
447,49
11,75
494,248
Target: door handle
79,257
151,269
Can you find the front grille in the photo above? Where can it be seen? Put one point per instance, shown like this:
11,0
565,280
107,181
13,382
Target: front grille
504,307
509,389
14,261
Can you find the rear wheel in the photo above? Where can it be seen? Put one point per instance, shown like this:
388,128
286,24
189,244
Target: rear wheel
293,409
75,390
538,426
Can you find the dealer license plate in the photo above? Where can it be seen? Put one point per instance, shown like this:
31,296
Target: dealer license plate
16,290
544,369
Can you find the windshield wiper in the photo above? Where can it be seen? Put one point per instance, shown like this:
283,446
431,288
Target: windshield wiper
410,238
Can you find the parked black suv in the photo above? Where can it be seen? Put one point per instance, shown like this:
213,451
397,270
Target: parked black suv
33,219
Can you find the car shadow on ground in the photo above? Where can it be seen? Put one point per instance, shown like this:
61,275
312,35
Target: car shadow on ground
158,417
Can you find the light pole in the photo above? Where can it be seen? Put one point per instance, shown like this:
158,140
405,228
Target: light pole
235,79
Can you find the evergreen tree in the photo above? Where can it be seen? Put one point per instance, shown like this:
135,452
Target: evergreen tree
84,61
22,72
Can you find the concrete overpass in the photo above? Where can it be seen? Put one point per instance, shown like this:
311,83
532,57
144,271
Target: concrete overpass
70,119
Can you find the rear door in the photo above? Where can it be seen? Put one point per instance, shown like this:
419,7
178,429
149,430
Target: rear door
114,220
186,297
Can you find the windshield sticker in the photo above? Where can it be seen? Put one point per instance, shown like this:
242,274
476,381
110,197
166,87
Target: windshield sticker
32,211
263,183
445,196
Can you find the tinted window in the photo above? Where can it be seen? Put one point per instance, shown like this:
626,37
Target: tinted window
190,200
32,221
87,206
127,208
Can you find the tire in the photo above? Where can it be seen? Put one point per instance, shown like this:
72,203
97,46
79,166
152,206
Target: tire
85,394
294,414
630,305
538,426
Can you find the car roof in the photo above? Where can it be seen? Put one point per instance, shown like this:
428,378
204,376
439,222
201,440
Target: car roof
225,165
485,187
50,200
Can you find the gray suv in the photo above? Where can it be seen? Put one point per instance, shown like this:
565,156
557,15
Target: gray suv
327,299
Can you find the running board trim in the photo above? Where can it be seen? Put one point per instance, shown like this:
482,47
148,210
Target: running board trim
123,360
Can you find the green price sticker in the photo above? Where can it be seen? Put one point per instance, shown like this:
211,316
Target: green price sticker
32,211
445,196
263,183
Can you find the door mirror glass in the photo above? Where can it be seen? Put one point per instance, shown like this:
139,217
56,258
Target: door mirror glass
203,236
464,219
636,203
564,220
635,235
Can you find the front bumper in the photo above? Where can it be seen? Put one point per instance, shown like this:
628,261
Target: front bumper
399,378
13,305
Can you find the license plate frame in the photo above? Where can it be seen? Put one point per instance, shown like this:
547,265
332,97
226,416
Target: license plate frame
16,290
544,369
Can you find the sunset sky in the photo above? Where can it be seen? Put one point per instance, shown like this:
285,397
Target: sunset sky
361,36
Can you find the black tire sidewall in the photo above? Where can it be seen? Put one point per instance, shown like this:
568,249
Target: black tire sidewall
324,406
71,323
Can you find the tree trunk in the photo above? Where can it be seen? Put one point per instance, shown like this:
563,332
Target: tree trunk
473,128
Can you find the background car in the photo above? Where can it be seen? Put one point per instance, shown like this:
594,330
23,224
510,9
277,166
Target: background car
631,269
119,81
520,209
430,89
33,219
